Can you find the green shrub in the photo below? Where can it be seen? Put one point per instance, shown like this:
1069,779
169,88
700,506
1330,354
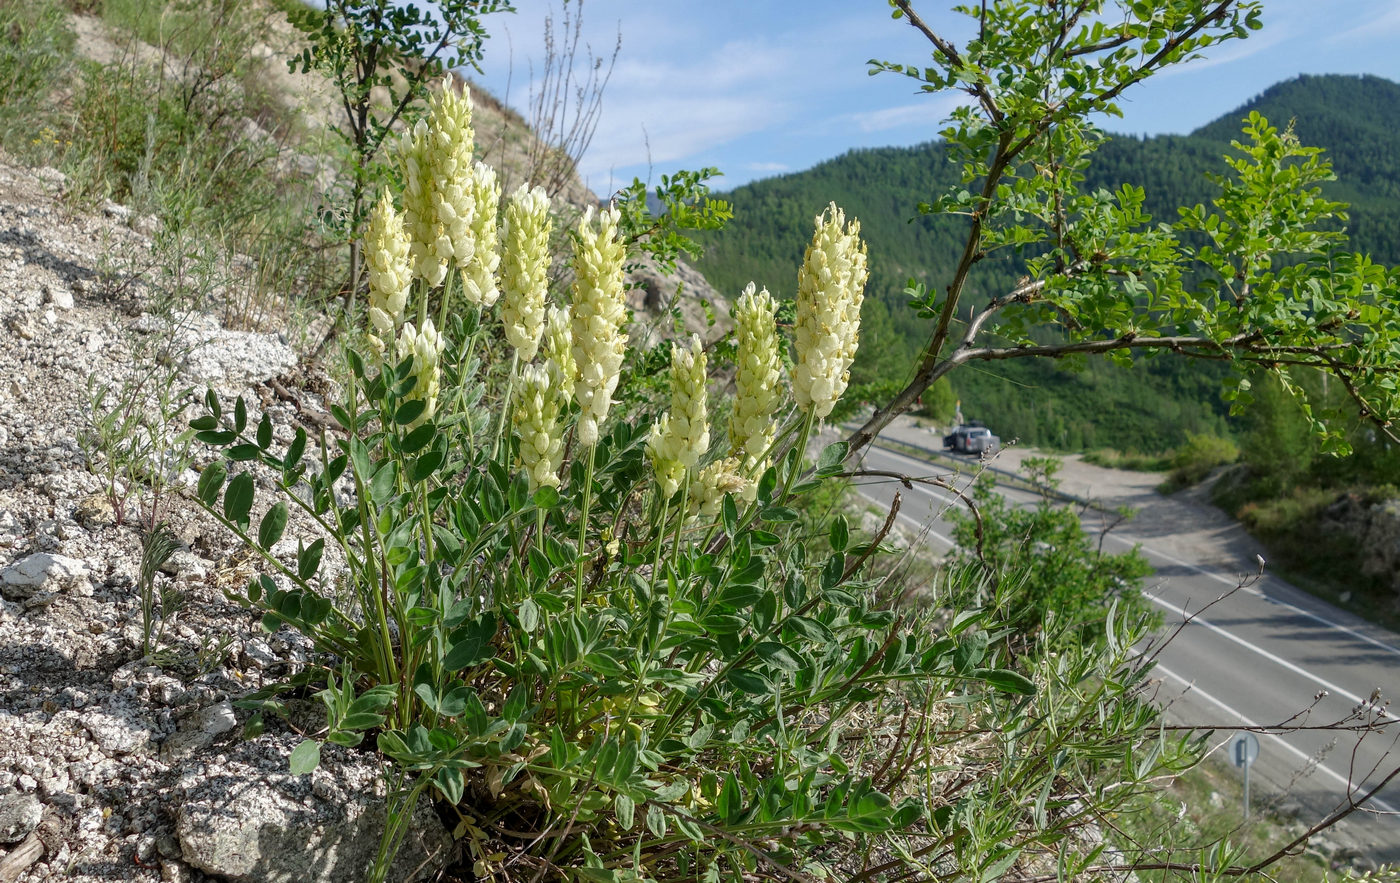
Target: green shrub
36,50
1193,461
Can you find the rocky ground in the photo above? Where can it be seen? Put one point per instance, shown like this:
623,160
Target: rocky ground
114,764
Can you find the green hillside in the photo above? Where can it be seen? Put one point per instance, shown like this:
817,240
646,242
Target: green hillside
1068,404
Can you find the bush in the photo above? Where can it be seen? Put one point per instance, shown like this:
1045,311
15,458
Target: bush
36,49
1193,461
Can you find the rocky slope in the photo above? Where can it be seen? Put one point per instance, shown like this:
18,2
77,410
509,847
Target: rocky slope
116,765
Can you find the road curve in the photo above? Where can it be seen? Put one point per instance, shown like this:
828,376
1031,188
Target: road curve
1248,650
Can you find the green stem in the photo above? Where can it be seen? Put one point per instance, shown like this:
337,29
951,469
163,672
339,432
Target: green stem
801,459
466,366
506,404
583,526
446,296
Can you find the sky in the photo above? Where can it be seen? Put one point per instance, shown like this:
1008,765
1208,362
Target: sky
764,87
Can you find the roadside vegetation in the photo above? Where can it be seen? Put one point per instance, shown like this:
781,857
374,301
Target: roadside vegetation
597,601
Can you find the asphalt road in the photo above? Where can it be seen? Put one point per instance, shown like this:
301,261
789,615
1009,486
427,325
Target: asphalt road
1265,653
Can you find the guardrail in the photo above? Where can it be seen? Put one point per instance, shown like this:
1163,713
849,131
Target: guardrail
893,444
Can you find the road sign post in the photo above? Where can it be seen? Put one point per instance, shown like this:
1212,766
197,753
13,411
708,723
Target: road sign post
1244,750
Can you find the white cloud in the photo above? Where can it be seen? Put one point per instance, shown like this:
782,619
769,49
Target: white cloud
767,167
926,114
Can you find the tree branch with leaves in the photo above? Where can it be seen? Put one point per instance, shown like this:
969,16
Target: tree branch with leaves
1260,278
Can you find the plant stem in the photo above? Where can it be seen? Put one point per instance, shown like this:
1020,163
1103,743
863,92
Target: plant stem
800,460
446,296
583,525
506,404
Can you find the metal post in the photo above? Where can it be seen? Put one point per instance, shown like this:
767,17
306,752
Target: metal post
1246,790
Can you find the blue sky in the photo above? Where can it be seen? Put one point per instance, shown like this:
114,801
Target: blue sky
761,87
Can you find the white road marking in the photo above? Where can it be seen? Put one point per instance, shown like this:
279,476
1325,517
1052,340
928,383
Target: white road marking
1194,690
1123,538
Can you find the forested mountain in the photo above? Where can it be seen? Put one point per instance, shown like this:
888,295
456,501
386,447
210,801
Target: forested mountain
1071,405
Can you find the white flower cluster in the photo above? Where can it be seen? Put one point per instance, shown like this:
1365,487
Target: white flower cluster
390,276
479,272
525,269
717,479
425,347
451,142
682,436
537,417
428,245
559,347
830,289
598,313
758,379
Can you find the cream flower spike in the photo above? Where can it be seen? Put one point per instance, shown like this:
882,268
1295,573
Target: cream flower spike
454,193
559,348
390,275
537,424
830,290
525,269
426,238
758,380
598,312
426,349
682,436
479,270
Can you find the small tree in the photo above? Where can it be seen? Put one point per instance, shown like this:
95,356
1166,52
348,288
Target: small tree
364,45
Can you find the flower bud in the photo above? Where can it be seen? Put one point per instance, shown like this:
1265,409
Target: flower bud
830,289
717,479
454,196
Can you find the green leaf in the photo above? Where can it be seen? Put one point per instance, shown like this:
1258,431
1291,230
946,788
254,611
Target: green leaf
306,756
418,439
749,681
840,533
426,465
238,500
243,453
546,498
309,558
831,459
448,781
779,655
273,524
216,437
211,481
1006,681
656,821
295,450
410,411
240,415
626,810
264,435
